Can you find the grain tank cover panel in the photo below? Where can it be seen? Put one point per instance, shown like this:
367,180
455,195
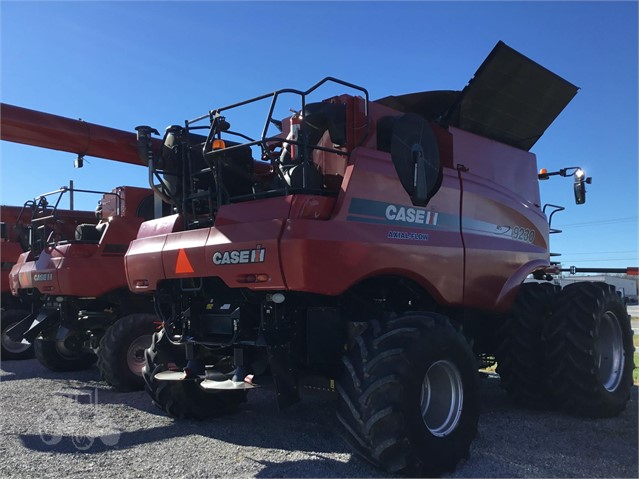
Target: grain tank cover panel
430,105
511,99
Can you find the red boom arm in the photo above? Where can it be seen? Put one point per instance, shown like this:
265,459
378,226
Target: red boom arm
35,128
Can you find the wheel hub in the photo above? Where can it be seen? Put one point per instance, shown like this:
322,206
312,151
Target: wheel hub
69,348
135,354
609,348
442,398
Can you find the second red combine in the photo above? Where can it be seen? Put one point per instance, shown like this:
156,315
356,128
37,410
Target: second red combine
73,278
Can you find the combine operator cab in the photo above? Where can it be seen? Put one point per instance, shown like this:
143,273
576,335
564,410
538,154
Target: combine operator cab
48,224
199,173
54,236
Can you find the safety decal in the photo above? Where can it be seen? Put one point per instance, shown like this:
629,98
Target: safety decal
243,256
183,265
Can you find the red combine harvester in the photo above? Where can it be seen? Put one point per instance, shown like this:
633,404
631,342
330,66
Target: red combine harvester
73,272
14,240
76,284
381,254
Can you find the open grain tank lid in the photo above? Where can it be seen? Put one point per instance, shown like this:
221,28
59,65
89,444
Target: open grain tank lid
510,99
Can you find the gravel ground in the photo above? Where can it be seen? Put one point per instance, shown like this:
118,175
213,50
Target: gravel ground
51,427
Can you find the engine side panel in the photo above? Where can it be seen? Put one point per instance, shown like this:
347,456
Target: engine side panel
377,231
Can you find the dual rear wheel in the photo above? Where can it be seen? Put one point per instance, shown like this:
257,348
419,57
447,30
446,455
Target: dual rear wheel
572,349
589,348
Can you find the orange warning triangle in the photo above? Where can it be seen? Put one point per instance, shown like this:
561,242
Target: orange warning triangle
183,265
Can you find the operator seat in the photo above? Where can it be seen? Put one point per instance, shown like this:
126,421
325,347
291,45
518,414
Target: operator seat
322,122
236,169
89,233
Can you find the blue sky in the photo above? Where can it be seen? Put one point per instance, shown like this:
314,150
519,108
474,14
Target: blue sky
123,64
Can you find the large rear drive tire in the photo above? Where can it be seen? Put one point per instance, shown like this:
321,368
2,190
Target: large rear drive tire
519,354
183,399
54,355
408,397
121,353
590,350
12,349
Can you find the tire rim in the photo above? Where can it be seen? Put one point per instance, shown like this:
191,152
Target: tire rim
135,355
14,347
609,347
69,354
442,397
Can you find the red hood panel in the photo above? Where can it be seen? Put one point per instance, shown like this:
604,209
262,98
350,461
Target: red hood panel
234,252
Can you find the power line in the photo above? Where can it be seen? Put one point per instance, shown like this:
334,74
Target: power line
563,260
630,219
603,252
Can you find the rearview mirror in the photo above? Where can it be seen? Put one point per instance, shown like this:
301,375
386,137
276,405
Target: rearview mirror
580,186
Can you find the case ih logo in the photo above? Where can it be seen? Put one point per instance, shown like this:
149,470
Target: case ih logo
243,256
379,212
410,215
43,277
